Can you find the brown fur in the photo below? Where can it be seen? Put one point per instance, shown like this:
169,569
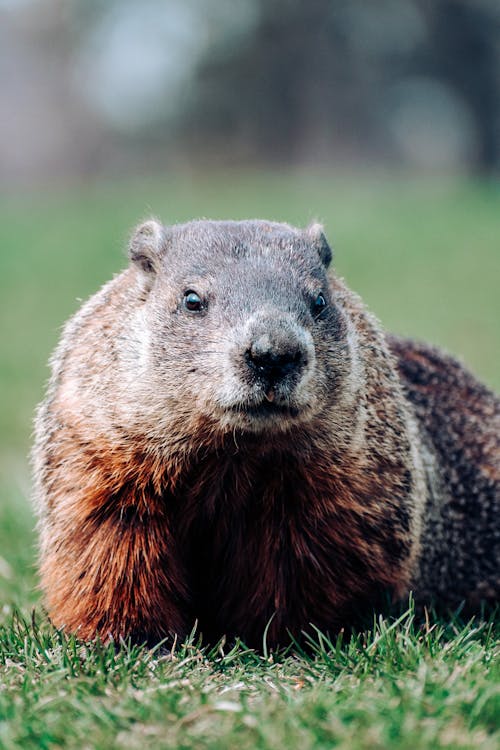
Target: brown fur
163,500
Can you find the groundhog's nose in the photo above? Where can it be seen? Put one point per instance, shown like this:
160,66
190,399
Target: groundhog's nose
273,358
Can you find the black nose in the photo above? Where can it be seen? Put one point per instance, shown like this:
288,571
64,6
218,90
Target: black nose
274,360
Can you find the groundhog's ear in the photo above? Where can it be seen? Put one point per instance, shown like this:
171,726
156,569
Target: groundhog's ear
315,234
146,246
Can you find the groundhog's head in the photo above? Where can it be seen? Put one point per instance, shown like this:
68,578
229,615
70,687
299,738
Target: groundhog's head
236,323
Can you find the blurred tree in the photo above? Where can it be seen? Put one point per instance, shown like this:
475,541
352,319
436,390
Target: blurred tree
316,79
94,85
464,45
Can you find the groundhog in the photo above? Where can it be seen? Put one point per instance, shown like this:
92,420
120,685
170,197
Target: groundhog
230,439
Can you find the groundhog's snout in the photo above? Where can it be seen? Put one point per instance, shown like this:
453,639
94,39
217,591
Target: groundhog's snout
273,357
276,355
269,380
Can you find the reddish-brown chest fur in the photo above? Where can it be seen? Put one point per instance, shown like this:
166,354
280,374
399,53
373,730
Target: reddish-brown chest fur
272,538
236,537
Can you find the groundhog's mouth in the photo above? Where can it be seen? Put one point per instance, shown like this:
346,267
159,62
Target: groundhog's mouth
266,409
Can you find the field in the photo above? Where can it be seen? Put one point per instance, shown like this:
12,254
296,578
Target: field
425,255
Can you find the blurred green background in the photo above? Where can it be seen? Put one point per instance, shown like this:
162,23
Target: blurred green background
381,122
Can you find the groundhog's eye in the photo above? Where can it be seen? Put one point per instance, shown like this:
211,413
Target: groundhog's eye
319,305
192,301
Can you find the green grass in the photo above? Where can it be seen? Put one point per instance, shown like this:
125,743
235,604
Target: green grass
425,256
396,687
